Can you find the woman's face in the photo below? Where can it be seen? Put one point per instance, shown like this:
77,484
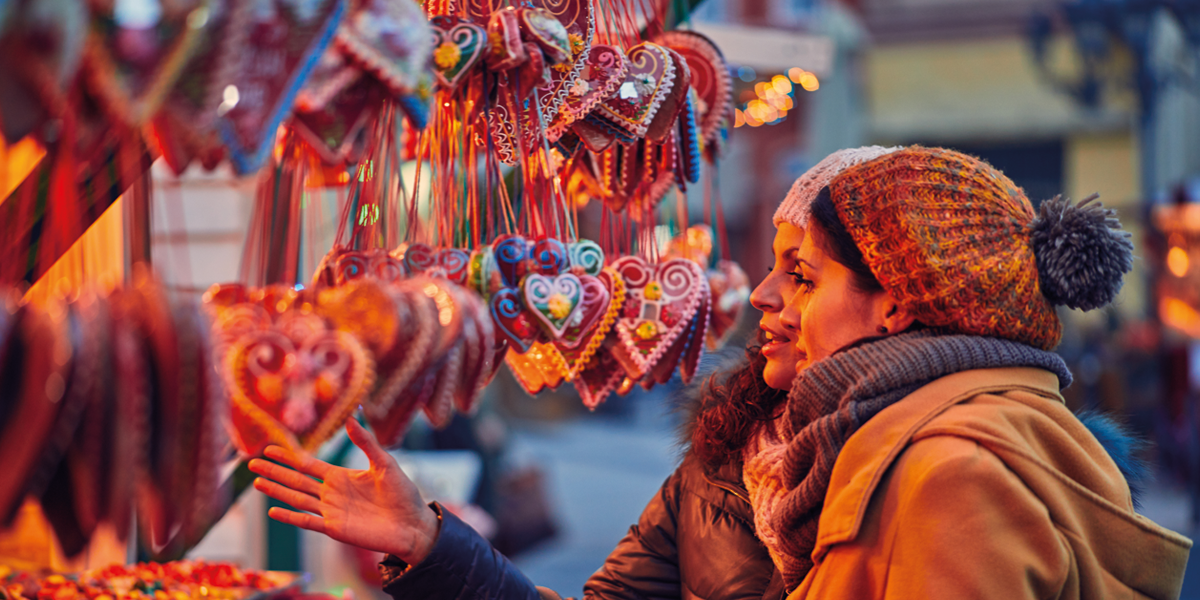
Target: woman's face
769,297
827,312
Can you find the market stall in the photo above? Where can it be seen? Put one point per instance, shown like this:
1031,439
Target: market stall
458,142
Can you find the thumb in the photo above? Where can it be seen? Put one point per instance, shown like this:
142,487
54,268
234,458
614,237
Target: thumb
366,442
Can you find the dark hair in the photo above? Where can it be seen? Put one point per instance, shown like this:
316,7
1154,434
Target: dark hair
732,404
831,235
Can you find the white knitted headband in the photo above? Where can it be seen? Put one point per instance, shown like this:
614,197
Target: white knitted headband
796,205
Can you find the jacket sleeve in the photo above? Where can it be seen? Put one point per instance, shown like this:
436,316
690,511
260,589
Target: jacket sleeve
645,564
949,520
462,565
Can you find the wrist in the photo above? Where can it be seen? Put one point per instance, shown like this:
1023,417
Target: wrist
424,535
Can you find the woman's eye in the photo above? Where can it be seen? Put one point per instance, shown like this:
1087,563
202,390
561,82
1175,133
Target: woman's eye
807,284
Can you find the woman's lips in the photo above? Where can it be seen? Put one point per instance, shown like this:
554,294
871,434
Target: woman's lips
774,344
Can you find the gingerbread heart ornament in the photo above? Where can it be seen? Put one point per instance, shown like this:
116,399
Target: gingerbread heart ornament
540,25
603,297
535,117
457,47
131,69
538,369
600,377
512,321
647,84
710,79
272,54
659,306
391,40
604,69
295,393
333,130
554,301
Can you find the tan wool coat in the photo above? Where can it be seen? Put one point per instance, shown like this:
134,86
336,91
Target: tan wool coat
982,484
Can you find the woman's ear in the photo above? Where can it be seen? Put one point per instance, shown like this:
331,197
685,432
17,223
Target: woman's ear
893,316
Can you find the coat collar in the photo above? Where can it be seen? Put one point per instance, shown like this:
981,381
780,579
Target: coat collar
869,453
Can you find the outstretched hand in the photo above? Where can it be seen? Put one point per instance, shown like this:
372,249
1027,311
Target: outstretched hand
378,509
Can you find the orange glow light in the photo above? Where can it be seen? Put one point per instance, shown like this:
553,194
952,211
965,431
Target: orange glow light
1177,261
739,119
795,73
809,82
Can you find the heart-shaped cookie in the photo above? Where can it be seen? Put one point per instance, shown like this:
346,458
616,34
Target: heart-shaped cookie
553,300
295,393
455,262
132,69
419,258
599,377
511,253
332,75
540,26
665,119
604,69
512,321
603,297
272,53
660,302
391,40
710,79
585,257
457,47
538,369
506,50
650,79
549,256
333,129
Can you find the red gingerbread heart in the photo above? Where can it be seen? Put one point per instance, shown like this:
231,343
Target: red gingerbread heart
271,53
602,299
457,47
295,393
710,79
391,40
660,304
506,50
604,69
600,376
333,130
650,80
665,119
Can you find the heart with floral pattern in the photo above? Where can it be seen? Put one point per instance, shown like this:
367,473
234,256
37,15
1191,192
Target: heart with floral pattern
554,301
661,301
295,392
457,47
647,84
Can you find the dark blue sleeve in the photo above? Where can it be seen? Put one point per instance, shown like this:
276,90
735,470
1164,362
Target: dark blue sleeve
461,566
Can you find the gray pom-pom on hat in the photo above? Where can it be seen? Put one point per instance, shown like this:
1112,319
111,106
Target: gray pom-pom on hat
1081,251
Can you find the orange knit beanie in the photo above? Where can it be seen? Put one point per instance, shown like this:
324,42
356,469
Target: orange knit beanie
958,244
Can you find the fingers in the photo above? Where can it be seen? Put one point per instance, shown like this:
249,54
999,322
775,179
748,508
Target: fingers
287,495
301,462
286,476
366,442
301,520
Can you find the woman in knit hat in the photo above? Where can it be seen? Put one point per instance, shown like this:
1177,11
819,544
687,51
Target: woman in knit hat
695,538
924,449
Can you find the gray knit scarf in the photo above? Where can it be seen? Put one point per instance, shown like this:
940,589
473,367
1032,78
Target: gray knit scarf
787,467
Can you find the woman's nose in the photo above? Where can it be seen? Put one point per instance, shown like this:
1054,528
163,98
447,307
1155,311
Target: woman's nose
789,317
766,296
